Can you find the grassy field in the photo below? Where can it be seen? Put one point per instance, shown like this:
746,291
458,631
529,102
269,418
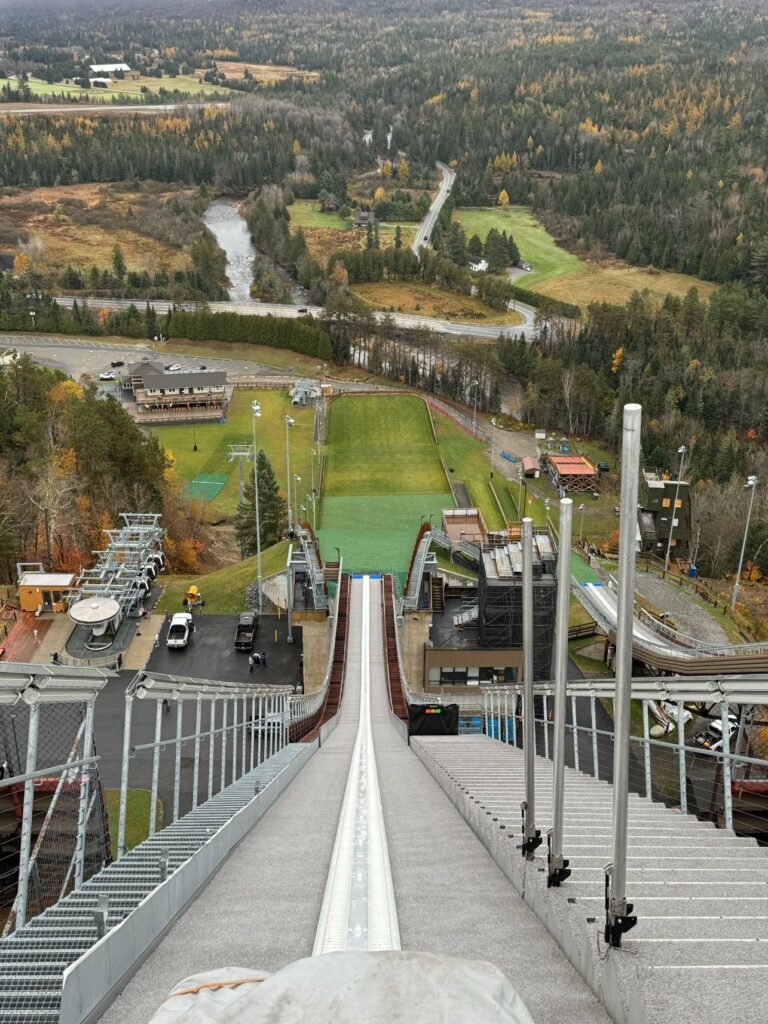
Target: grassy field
383,477
382,445
130,89
136,816
561,274
431,301
213,440
79,224
268,73
328,233
223,590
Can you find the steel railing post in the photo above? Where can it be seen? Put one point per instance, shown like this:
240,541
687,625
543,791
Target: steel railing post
211,747
740,740
506,718
245,735
223,779
177,761
26,817
253,734
234,738
593,717
514,721
121,850
618,911
261,729
196,766
485,713
546,726
681,757
575,727
155,767
531,835
82,813
727,795
558,868
647,751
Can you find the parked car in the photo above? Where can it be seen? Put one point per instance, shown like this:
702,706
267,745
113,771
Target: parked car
202,367
117,363
107,375
302,309
712,737
245,631
173,367
180,630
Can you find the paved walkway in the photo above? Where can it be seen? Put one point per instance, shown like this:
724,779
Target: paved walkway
261,910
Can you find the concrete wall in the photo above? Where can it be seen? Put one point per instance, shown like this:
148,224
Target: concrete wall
315,648
413,637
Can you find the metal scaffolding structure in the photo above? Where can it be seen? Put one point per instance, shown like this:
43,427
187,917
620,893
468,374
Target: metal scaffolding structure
125,569
500,597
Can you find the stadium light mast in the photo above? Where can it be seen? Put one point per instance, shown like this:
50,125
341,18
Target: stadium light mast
289,422
256,412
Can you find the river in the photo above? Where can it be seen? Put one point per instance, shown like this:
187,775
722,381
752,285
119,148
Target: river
225,222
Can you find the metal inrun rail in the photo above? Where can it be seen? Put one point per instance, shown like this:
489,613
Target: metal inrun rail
358,911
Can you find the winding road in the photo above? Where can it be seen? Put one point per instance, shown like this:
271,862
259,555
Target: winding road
427,226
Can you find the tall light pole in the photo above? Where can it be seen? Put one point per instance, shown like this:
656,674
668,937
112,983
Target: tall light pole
289,422
752,485
493,444
546,512
296,480
256,412
581,525
33,314
681,452
474,385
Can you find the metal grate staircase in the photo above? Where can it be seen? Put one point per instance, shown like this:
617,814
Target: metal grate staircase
34,958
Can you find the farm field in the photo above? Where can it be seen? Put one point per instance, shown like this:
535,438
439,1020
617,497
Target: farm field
431,301
328,233
213,440
79,224
267,73
383,476
129,89
563,275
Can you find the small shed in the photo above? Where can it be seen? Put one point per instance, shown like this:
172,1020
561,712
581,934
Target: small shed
45,591
363,218
531,466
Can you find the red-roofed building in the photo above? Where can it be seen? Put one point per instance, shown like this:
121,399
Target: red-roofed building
573,473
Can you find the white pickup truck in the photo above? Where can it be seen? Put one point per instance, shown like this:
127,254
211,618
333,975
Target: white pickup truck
180,630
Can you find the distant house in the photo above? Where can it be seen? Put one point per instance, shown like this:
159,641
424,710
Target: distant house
363,218
478,266
573,473
329,203
106,69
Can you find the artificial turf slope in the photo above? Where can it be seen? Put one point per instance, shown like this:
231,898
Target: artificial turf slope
383,474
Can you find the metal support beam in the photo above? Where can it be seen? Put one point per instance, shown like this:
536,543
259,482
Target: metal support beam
618,911
26,818
211,748
82,813
177,761
531,835
558,868
155,768
196,768
727,795
647,750
121,849
681,757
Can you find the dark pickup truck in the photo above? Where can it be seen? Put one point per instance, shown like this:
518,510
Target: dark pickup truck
245,631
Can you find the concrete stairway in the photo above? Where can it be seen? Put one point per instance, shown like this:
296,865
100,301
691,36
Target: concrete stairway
700,948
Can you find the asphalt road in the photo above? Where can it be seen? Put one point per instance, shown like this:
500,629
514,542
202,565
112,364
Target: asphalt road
405,320
427,226
76,356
